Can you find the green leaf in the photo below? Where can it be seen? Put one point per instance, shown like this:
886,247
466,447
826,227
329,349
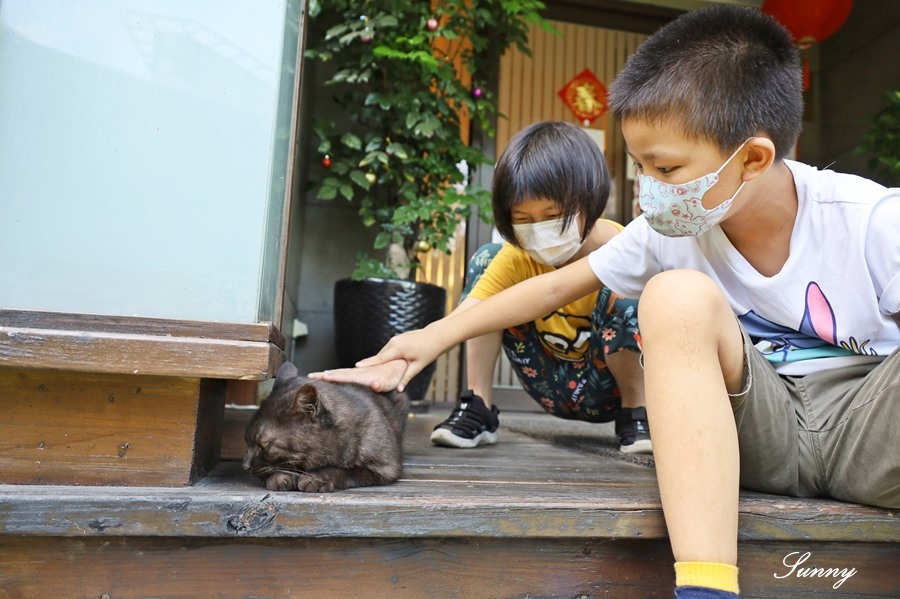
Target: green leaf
382,240
328,190
326,193
385,21
428,126
397,150
352,141
373,157
359,177
336,31
346,191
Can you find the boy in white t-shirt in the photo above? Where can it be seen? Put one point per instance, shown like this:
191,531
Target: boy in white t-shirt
769,292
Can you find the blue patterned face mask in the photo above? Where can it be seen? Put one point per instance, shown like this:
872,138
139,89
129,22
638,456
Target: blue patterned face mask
676,210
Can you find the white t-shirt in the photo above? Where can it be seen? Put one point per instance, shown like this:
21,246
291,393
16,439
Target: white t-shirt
835,301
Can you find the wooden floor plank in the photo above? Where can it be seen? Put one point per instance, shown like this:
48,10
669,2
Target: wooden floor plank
524,518
494,492
327,568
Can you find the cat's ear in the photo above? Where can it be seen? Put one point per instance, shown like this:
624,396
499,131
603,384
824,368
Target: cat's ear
306,401
286,372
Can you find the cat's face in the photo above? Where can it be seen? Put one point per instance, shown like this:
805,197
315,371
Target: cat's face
285,435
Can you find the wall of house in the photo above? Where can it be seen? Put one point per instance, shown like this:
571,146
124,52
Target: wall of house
851,73
325,238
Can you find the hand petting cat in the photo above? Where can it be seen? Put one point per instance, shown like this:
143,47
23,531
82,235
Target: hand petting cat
380,377
396,364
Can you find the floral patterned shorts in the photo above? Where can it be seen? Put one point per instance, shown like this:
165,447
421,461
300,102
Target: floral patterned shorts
584,390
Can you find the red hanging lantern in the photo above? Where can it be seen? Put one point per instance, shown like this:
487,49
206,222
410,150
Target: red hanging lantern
809,21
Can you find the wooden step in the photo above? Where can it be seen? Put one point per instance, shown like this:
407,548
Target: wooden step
522,518
111,400
107,429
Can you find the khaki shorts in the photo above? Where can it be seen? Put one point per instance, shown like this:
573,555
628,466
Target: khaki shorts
834,433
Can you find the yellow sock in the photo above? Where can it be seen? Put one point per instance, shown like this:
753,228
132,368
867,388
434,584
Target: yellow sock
723,577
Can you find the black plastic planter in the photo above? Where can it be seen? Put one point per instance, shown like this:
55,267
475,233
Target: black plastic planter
368,313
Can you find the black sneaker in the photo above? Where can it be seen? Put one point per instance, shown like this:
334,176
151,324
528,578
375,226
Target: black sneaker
470,424
633,431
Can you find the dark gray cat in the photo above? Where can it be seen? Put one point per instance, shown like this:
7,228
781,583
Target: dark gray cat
316,437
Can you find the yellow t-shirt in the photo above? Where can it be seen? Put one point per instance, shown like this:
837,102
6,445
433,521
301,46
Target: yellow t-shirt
564,332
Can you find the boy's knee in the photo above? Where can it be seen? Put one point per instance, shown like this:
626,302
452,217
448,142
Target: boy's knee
682,294
684,303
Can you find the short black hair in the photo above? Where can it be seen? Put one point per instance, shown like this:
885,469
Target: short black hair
725,73
550,160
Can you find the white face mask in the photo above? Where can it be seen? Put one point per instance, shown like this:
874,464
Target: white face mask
545,244
676,210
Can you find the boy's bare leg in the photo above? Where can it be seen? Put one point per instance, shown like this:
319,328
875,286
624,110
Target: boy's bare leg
693,357
481,358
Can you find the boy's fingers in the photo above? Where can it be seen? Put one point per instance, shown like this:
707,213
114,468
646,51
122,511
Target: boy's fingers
371,361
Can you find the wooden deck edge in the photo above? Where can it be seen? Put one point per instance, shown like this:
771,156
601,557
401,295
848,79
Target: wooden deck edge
130,353
135,345
32,319
404,512
67,511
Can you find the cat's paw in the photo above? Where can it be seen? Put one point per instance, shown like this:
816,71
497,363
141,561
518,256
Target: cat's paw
314,484
281,482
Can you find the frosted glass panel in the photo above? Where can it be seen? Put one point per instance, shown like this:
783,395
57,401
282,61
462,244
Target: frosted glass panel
137,153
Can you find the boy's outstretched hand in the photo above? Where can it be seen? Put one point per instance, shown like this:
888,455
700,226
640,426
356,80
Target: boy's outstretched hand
395,365
381,378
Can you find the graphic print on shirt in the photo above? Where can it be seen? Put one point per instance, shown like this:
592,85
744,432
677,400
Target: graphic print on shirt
816,336
566,335
818,317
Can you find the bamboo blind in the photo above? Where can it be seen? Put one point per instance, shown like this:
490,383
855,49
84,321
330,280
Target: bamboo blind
448,272
529,86
527,93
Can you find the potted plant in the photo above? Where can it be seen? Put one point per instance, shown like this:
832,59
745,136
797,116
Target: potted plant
882,142
405,77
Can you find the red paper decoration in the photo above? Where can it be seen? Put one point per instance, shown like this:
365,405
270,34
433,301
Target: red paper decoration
585,95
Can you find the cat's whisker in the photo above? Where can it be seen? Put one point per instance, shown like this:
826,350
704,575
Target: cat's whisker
289,470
